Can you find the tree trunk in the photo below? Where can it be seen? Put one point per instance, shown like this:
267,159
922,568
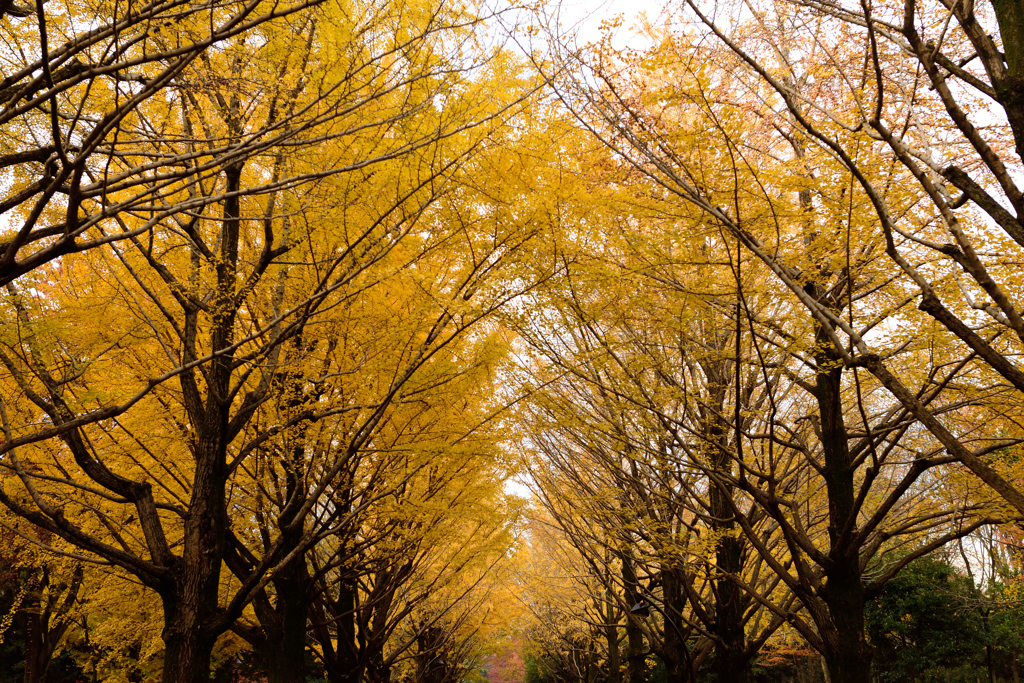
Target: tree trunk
42,636
187,647
730,661
611,634
378,671
191,605
36,657
634,637
675,655
730,658
847,654
345,665
286,635
287,651
191,608
1010,88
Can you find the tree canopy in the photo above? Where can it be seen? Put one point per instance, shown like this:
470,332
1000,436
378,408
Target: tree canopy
428,342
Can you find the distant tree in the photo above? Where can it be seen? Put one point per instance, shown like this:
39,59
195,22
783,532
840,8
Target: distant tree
507,665
1007,626
924,624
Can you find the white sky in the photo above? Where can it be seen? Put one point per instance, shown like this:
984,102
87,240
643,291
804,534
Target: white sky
584,17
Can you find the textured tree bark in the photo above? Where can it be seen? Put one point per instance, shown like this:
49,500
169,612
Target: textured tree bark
36,658
286,637
1010,88
730,659
287,651
847,654
378,670
191,603
187,645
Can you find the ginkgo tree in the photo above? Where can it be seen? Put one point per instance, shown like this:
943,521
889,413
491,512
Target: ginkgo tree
751,137
215,342
860,102
81,81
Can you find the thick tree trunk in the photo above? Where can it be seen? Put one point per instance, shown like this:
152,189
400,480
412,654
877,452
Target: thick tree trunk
1010,88
286,633
847,654
635,670
191,609
35,666
42,632
287,652
675,655
378,671
187,646
431,664
37,659
730,657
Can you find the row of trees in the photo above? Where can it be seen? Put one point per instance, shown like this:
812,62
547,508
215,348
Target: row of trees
253,252
812,210
285,284
929,623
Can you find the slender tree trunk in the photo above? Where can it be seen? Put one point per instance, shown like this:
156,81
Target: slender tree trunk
346,665
634,637
611,634
36,658
730,661
985,619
